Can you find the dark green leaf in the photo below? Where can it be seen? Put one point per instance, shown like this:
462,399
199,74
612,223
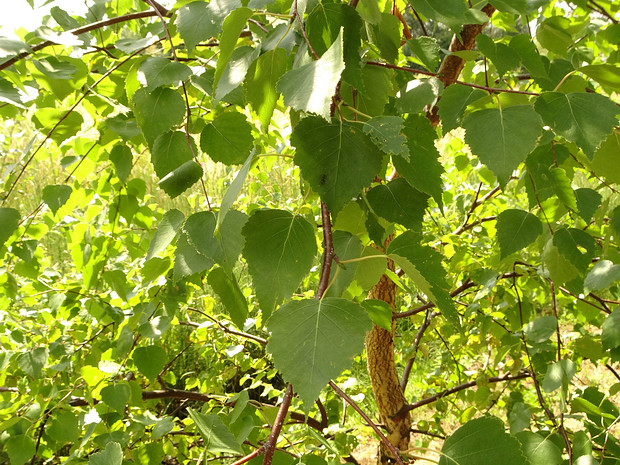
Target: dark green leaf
187,260
196,22
611,330
235,72
116,396
516,229
553,33
398,202
418,94
539,450
170,151
150,360
122,159
558,375
180,179
10,94
159,71
338,160
577,246
423,170
583,118
452,13
9,220
328,333
541,329
33,361
232,27
347,247
606,161
155,327
423,266
503,57
454,101
515,132
227,289
13,47
260,83
158,112
64,427
280,249
215,434
310,87
228,138
482,441
427,50
55,196
167,229
20,449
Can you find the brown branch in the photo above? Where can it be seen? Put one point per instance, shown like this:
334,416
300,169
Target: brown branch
270,445
416,344
602,11
78,31
460,387
161,10
303,31
328,251
415,13
406,32
615,373
376,429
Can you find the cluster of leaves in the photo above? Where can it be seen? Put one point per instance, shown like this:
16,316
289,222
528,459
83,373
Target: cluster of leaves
161,229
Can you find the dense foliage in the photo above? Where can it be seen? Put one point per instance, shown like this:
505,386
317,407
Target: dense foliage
207,206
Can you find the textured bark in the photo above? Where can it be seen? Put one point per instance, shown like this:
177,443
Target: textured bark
384,378
386,386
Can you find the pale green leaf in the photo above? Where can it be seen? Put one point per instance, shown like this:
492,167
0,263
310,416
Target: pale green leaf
611,330
215,434
260,83
601,276
232,27
236,70
538,449
232,192
605,74
583,118
166,231
116,396
280,249
232,298
553,33
606,161
338,160
196,21
328,333
347,247
111,455
150,360
452,13
55,196
481,441
310,87
515,131
380,313
558,374
20,449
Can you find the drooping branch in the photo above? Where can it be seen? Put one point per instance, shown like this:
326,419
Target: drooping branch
78,31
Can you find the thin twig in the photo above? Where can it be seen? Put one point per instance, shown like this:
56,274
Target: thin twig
328,251
428,318
303,31
376,429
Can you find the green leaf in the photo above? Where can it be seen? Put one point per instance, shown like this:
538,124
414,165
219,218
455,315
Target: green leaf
398,202
180,179
122,159
515,132
338,160
236,69
158,111
577,246
385,131
560,268
64,427
150,360
347,247
310,87
10,94
558,374
232,192
260,83
228,138
605,74
427,50
232,27
417,95
111,455
481,441
166,231
160,71
323,27
186,259
538,449
13,47
155,327
553,33
227,289
380,313
66,126
116,396
601,276
280,250
610,335
583,118
328,333
606,161
20,449
454,101
369,271
215,434
423,170
541,329
33,361
503,57
423,265
196,22
162,427
9,220
452,13
55,196
170,151
516,229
